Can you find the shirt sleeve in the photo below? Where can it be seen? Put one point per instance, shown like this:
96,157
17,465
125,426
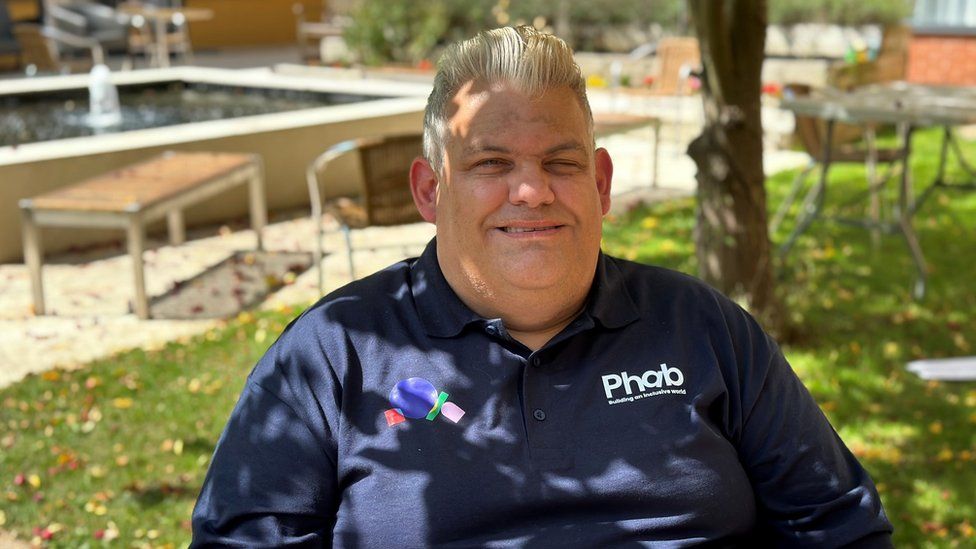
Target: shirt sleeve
272,481
810,489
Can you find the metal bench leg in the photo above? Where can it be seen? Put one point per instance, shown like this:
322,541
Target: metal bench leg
905,213
874,206
137,243
34,258
319,247
259,208
813,203
347,232
657,141
177,229
791,196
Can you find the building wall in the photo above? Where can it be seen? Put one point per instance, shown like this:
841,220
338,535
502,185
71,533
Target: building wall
22,10
942,59
248,22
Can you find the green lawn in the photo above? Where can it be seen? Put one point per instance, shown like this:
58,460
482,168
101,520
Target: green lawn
119,448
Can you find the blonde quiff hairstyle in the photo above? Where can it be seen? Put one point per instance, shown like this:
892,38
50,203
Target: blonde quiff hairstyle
530,61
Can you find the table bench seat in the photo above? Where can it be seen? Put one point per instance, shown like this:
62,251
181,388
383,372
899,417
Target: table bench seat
131,197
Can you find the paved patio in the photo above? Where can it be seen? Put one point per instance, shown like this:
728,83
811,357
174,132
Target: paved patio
88,292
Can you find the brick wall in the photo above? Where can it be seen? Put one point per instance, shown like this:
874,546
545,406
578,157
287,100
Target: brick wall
942,60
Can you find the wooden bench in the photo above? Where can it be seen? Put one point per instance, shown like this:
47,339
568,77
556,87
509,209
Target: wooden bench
128,198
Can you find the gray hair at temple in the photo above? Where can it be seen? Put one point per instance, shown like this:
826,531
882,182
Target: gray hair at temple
530,61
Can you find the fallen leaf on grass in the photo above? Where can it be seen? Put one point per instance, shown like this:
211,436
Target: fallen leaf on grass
96,471
891,350
245,317
650,223
960,341
51,375
96,508
122,403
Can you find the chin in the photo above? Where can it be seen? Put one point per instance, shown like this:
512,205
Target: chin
537,276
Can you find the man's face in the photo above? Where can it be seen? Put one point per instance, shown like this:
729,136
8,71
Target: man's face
522,193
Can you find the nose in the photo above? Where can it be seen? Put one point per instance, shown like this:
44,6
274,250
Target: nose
531,187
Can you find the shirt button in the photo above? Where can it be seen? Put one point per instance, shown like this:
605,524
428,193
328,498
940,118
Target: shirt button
535,362
491,329
539,414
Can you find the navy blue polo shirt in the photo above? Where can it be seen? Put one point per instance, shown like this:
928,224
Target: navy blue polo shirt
663,415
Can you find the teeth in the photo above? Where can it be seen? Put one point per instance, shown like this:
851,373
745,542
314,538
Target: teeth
525,230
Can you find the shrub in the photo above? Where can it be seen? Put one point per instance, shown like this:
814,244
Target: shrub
843,12
399,31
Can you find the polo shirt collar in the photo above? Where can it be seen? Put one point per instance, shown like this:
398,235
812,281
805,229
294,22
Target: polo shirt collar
443,314
609,302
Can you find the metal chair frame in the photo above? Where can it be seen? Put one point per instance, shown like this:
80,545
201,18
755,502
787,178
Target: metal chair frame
813,140
386,199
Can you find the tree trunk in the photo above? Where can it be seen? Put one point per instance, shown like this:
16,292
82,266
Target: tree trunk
731,236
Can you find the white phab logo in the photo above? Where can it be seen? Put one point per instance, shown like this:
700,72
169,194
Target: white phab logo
651,379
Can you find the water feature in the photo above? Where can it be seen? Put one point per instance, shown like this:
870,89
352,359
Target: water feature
103,99
47,116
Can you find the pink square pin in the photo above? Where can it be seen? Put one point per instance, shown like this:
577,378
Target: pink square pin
452,412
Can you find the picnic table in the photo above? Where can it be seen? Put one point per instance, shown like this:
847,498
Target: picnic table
909,107
131,197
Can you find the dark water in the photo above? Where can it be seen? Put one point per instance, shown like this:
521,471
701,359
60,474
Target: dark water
46,116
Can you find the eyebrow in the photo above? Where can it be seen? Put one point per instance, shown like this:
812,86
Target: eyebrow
488,147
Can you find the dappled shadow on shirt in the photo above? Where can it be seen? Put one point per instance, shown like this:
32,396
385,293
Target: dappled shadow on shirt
540,457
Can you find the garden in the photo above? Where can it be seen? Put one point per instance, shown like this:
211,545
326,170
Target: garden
114,453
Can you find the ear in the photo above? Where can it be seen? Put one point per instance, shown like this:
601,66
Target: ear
423,185
604,174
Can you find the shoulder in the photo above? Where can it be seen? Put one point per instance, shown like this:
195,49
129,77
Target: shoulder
687,305
653,286
310,344
360,303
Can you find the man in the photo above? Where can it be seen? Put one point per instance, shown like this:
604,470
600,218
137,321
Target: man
513,386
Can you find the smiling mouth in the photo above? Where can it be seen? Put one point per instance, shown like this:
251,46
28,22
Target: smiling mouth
528,229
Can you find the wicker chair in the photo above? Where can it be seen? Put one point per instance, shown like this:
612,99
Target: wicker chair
679,58
811,135
385,198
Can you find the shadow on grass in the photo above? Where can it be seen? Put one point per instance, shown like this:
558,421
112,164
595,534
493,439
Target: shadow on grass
230,286
155,495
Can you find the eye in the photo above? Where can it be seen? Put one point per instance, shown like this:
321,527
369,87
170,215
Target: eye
491,164
564,166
